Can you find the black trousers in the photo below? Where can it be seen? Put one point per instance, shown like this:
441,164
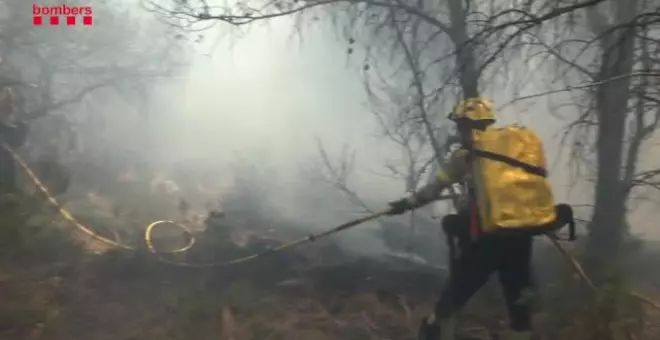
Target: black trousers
473,262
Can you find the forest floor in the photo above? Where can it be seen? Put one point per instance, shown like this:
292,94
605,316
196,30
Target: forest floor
52,287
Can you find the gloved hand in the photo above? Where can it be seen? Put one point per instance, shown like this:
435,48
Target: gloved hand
399,206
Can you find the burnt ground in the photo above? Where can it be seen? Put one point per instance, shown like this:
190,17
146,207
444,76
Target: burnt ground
51,288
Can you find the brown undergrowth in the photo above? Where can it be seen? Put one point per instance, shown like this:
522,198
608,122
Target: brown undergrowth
52,289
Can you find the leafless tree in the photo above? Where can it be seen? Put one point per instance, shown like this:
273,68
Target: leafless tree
480,37
442,49
435,51
64,75
603,58
59,68
606,88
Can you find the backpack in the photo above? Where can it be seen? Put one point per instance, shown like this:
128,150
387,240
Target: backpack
510,179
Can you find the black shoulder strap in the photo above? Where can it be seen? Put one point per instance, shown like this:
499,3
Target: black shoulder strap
535,170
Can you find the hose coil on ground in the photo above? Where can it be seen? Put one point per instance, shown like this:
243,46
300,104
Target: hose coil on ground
89,231
148,239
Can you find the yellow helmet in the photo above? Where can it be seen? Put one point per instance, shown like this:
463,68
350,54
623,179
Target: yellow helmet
474,109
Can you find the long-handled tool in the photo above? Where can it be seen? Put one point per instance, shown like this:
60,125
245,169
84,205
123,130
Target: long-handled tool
307,239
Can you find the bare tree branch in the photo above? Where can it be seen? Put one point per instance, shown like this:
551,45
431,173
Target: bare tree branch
579,87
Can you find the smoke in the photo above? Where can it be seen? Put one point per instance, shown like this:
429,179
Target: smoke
265,100
247,115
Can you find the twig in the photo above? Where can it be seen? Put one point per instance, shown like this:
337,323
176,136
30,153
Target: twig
580,271
579,87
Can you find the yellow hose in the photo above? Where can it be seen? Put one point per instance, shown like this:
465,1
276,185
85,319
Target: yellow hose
150,228
90,232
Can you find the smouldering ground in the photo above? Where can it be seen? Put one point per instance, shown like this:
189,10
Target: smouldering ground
52,288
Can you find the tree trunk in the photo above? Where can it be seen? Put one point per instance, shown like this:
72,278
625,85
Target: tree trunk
608,221
466,64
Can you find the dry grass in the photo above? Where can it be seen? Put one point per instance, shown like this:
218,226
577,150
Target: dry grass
51,290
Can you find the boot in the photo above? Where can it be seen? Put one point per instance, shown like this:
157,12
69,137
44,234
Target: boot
434,329
516,335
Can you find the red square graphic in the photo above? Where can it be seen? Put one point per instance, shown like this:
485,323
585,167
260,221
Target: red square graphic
54,20
87,20
70,21
37,20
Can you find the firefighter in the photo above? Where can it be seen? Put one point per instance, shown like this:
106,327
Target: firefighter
475,255
12,134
